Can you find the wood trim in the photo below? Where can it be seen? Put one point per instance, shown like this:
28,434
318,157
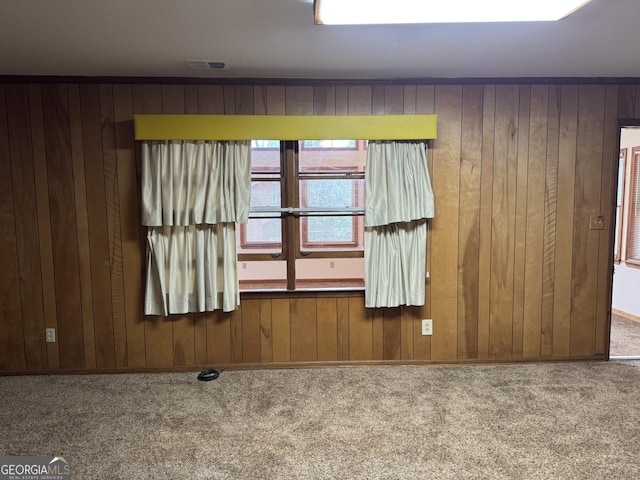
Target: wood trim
628,316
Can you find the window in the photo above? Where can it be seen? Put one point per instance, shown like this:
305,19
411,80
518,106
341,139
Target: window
306,227
632,254
622,163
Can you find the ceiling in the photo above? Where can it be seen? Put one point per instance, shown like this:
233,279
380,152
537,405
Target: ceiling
277,38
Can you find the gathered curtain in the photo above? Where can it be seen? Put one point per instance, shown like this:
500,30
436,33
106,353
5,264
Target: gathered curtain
399,200
193,194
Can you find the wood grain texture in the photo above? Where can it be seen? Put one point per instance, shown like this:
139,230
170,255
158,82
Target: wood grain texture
251,340
327,328
82,226
44,219
63,225
532,321
304,339
12,353
445,177
112,197
562,301
515,271
486,202
129,207
469,221
591,108
26,230
503,222
96,200
519,266
550,223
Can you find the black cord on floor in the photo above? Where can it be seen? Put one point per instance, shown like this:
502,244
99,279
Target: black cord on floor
209,374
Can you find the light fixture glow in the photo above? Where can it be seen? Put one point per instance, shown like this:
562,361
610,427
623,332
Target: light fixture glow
368,12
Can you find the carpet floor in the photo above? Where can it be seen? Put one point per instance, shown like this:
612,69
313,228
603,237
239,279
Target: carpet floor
625,336
523,421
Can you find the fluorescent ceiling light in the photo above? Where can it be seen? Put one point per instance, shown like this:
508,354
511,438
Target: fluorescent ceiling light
366,12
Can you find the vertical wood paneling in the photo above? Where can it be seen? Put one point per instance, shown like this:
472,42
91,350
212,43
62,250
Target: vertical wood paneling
129,207
26,230
327,318
218,338
342,305
63,222
550,216
82,226
113,224
304,343
532,322
98,226
515,271
486,202
392,330
244,100
235,325
591,108
342,100
276,100
503,222
564,218
281,330
519,267
12,355
298,100
266,333
251,331
324,100
377,99
360,331
445,177
377,327
360,100
210,99
469,221
44,220
393,99
407,320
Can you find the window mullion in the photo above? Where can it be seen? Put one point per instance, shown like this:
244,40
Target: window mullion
290,170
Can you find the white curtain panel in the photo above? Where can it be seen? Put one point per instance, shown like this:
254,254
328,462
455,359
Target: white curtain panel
399,199
193,193
195,182
191,269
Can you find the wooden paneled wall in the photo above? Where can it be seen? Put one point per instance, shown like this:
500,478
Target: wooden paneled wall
515,271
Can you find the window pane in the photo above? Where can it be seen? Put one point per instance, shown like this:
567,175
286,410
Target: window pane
335,193
328,144
265,156
262,233
332,159
331,233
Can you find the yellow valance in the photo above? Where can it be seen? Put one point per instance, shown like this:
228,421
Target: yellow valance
285,127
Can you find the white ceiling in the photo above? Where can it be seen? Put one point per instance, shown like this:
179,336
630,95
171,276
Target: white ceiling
277,38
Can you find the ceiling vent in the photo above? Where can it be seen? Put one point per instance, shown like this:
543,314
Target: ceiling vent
207,65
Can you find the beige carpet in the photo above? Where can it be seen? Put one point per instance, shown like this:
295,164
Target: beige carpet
526,421
625,336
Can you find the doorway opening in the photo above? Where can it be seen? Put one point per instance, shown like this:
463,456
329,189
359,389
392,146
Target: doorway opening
625,305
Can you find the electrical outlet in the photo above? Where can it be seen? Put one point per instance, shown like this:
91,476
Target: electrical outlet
427,327
51,335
